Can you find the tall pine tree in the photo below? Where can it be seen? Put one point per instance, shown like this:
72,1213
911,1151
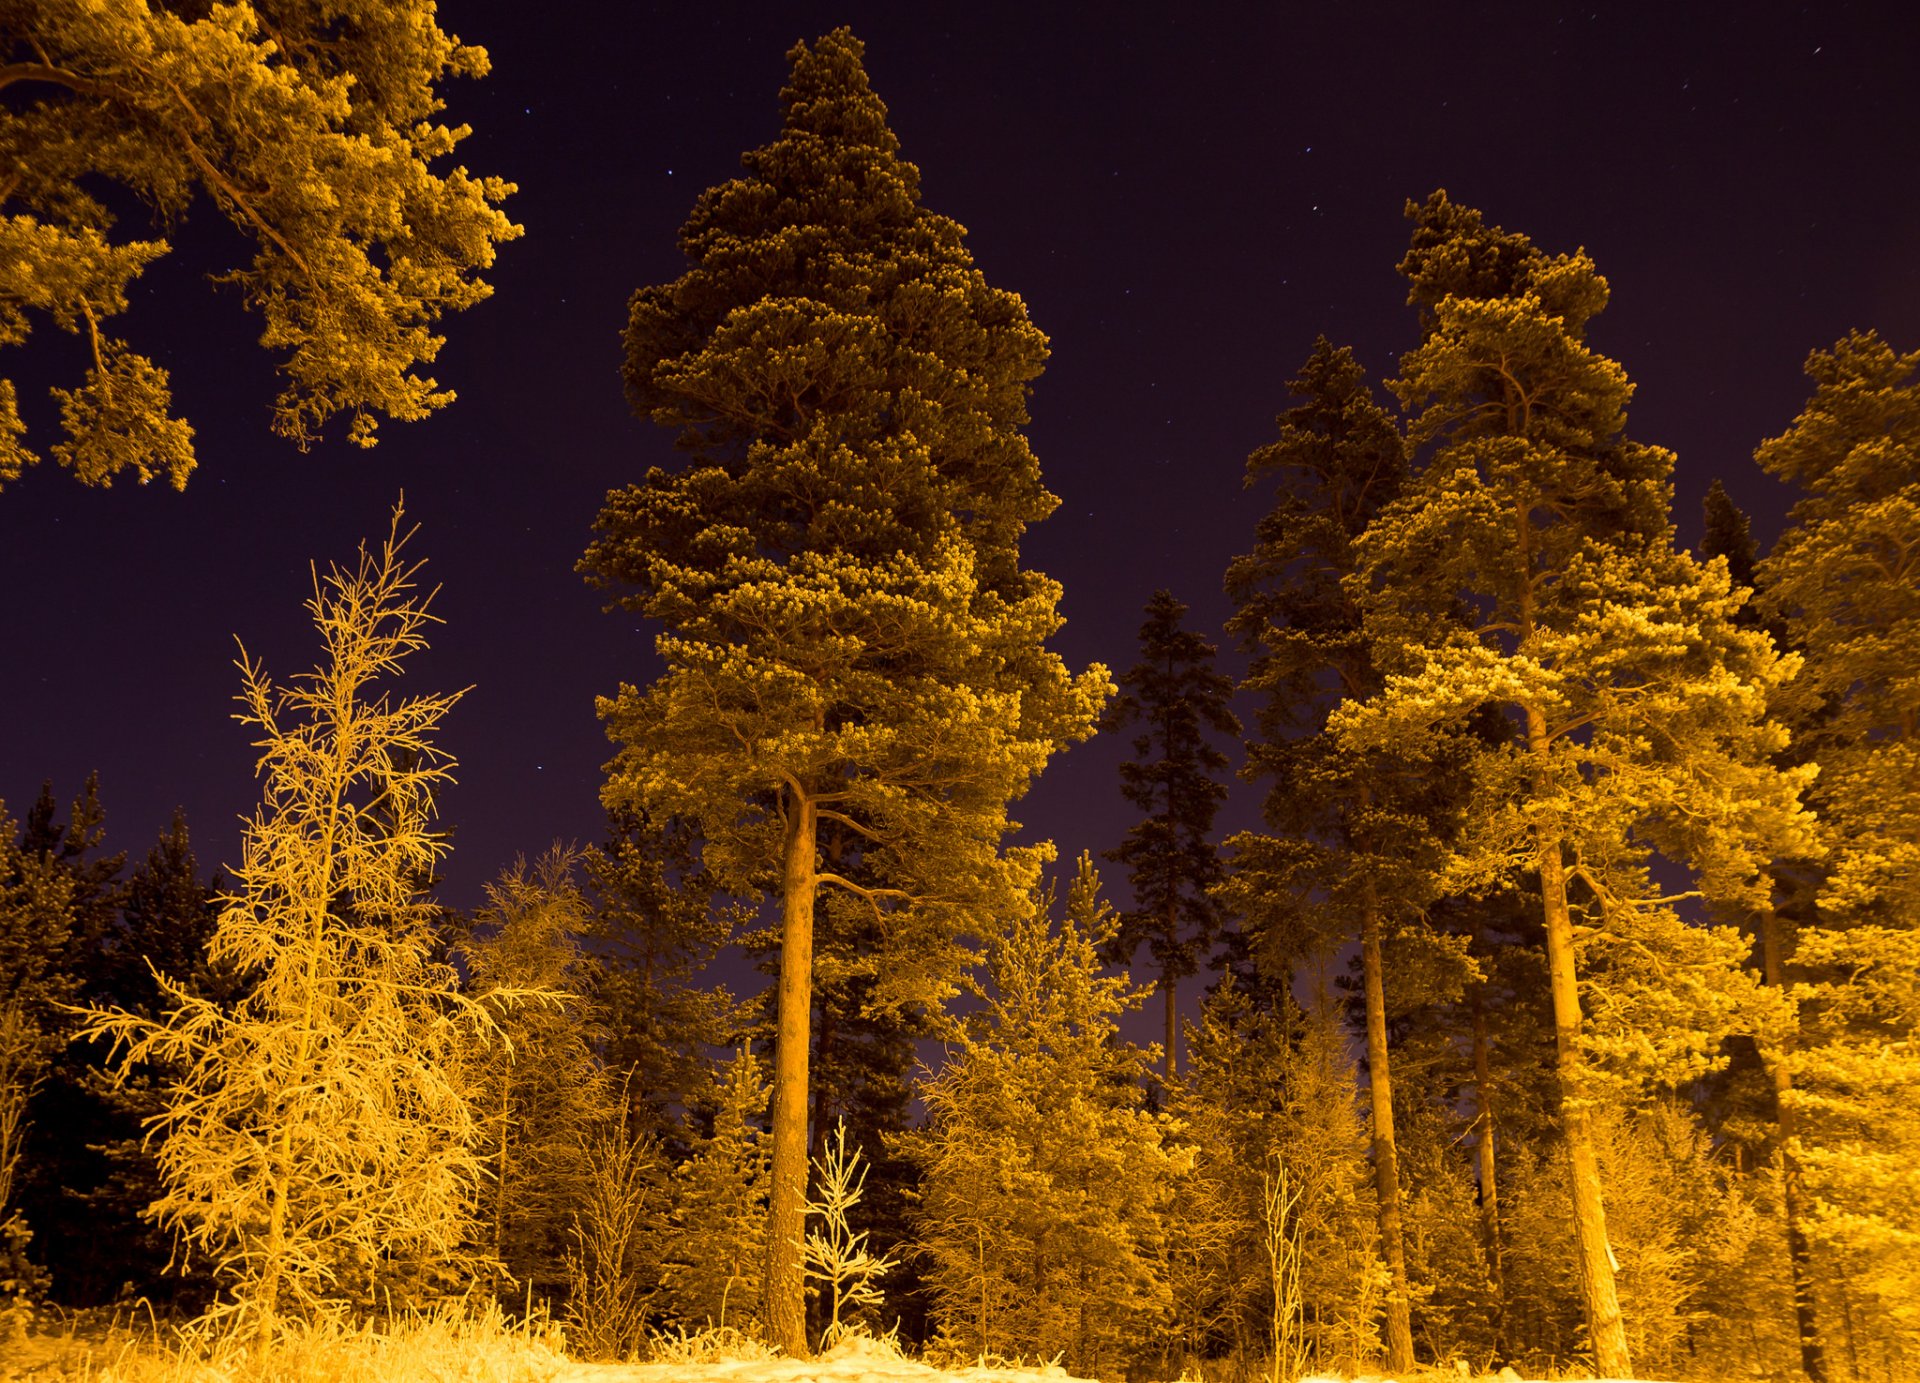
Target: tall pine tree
1638,704
1176,696
1346,831
1845,578
852,650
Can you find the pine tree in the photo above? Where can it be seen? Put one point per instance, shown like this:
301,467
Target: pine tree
853,655
714,1273
321,1128
165,923
1638,703
1843,578
540,1091
1347,832
1045,1184
1176,696
59,896
313,131
657,926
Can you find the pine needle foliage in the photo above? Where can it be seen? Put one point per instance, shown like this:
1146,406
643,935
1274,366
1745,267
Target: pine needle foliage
320,1133
1045,1183
1843,578
313,130
1637,704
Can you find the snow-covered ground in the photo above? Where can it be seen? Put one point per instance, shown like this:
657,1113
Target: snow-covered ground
860,1361
851,1361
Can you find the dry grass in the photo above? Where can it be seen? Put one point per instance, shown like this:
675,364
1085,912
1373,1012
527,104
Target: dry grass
447,1345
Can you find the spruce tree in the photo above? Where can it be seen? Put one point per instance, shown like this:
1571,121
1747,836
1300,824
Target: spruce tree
1269,1090
165,923
540,1092
715,1259
1045,1184
1637,702
852,651
1176,697
657,926
1844,578
60,893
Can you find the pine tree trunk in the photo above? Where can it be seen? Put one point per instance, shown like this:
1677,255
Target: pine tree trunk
1386,1157
1483,1149
787,1192
1173,1028
1606,1331
1813,1359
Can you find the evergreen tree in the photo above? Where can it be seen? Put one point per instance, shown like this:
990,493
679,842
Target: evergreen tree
1845,579
313,131
1176,697
657,926
540,1092
1269,1090
59,895
1347,831
1726,534
1638,703
715,1261
161,933
852,651
1045,1184
322,1129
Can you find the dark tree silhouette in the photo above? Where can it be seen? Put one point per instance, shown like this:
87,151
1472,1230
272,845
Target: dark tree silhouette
1176,697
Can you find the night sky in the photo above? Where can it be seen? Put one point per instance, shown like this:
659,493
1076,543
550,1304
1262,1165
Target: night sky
1184,195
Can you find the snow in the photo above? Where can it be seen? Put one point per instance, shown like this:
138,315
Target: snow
850,1361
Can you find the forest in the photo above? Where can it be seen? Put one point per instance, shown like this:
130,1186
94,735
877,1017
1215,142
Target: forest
1560,1017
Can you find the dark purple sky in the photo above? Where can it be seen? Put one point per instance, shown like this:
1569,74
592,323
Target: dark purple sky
1185,195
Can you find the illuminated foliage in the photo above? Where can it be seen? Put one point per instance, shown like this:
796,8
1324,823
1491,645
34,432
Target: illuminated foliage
1045,1182
716,1238
541,1092
322,1128
312,128
854,660
1638,702
1349,835
1267,1090
1845,580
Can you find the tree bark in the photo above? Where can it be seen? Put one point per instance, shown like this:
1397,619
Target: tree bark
1386,1157
787,1192
1606,1332
1813,1358
1173,1029
1483,1149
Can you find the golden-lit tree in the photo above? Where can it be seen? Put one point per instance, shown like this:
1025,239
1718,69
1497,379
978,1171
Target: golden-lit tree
856,681
313,129
322,1129
1046,1185
541,1093
1845,581
1638,703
